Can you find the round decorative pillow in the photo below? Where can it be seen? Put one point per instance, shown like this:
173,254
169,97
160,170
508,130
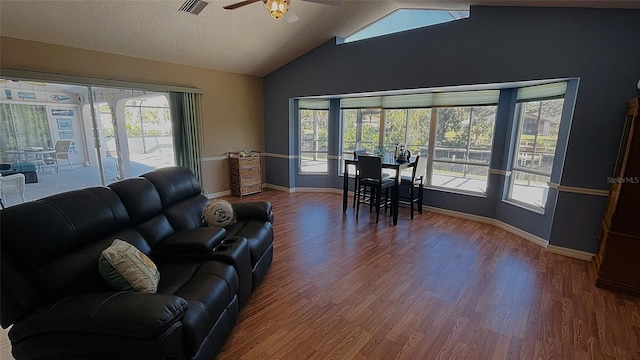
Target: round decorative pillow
219,213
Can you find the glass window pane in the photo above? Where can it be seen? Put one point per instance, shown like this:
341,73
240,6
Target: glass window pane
529,188
349,128
460,176
149,133
481,134
452,134
395,128
465,134
313,162
527,132
370,133
313,140
314,133
360,130
538,134
418,132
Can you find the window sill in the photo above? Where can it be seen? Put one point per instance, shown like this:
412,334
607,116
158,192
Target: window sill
537,210
458,192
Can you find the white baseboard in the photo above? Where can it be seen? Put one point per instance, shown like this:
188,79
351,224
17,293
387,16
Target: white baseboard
318,190
519,232
461,215
218,194
504,226
577,254
303,189
279,188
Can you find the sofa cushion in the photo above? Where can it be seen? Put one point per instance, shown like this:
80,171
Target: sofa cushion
126,268
180,194
110,313
155,230
140,198
186,214
208,287
258,233
174,184
52,247
144,207
77,271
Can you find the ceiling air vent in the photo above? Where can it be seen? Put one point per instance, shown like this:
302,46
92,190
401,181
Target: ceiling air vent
193,6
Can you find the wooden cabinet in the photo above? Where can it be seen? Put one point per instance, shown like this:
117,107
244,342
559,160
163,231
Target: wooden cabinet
618,258
246,173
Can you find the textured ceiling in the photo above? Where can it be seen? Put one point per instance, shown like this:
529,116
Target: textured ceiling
246,40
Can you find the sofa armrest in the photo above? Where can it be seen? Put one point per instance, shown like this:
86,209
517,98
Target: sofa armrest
253,211
128,314
193,241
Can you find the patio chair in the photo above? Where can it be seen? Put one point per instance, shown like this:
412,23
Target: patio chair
62,152
11,185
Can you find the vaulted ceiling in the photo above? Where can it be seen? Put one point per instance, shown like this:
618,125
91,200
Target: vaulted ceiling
246,40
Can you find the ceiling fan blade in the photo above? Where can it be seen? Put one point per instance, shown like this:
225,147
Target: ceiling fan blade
240,4
326,2
291,16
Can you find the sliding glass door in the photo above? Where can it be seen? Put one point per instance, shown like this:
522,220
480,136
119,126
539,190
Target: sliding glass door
113,133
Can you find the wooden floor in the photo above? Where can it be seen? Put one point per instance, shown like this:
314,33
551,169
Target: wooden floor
434,287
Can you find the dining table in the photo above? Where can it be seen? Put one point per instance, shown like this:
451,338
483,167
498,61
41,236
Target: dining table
388,162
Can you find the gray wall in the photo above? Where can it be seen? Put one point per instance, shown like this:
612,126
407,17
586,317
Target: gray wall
495,44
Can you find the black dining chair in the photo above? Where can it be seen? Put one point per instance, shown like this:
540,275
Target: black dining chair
370,168
415,183
356,187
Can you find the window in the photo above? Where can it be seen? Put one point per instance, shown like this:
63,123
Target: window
361,130
462,153
406,19
314,135
149,133
407,126
454,128
538,122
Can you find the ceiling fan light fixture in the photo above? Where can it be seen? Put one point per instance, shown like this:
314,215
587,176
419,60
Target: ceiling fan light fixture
277,8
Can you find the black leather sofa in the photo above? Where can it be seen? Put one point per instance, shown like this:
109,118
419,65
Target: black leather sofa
61,308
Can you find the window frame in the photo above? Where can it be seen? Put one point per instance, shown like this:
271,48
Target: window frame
430,145
515,166
427,100
465,163
311,107
359,127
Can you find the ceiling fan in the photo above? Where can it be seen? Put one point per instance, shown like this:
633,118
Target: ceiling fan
278,8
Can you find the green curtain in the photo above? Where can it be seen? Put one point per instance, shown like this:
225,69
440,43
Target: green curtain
185,116
22,126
